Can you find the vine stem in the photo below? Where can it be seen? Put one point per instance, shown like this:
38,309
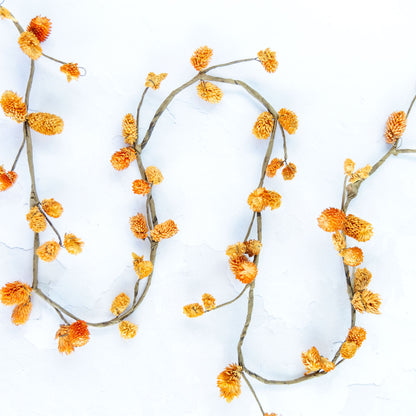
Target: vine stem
230,301
254,393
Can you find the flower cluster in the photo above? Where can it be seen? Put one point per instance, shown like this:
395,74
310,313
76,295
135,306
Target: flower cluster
354,340
72,336
229,383
261,198
194,310
18,294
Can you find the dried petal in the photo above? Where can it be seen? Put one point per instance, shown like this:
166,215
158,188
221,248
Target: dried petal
349,166
73,244
331,219
120,304
263,126
5,14
48,251
362,279
52,208
127,329
193,310
395,126
327,365
360,174
64,342
339,242
201,57
311,360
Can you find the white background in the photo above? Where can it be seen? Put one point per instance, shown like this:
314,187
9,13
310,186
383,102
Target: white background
343,68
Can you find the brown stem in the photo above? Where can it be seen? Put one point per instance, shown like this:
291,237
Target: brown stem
54,59
230,301
250,227
227,64
138,113
254,393
397,151
18,153
410,107
39,205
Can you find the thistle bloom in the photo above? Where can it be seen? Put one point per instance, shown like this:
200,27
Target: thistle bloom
45,123
13,106
356,335
15,293
209,92
154,175
127,329
129,129
395,127
64,343
311,360
73,244
288,120
331,219
366,301
120,304
71,71
268,60
228,381
362,279
30,45
40,27
360,174
164,230
7,179
122,159
352,256
193,310
138,226
21,313
52,208
37,221
48,251
263,126
357,228
201,57
208,301
141,187
153,81
349,166
78,333
289,171
274,165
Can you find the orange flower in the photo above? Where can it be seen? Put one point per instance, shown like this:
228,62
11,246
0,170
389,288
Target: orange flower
48,251
13,106
360,174
15,293
270,414
209,92
7,179
289,171
73,244
21,313
356,335
395,127
141,187
362,279
30,45
349,166
327,365
153,81
339,242
5,14
164,230
129,129
71,71
208,301
193,310
357,228
201,57
366,301
52,208
143,268
288,120
263,126
154,175
236,250
127,329
274,165
45,123
120,304
348,349
258,199
274,200
311,360
228,381
40,27
37,221
138,226
268,60
64,342
122,159
253,247
331,219
244,270
352,256
78,333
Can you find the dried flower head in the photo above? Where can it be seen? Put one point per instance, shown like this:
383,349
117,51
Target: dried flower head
73,244
21,313
37,221
360,174
236,250
64,342
153,81
288,120
352,256
5,14
366,301
127,329
209,92
395,127
48,251
326,365
143,268
268,60
15,293
356,335
311,360
78,333
45,123
274,165
154,175
258,199
243,269
357,228
289,172
119,304
71,71
201,57
164,230
13,106
129,129
349,166
274,200
193,310
30,45
362,279
7,179
228,381
348,349
270,414
208,301
141,187
253,247
331,219
52,208
122,159
138,226
40,27
339,242
263,126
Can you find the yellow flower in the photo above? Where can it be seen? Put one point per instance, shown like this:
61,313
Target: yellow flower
357,228
349,166
30,45
209,92
164,230
48,251
129,129
73,244
15,293
138,226
52,208
311,360
258,199
228,381
289,171
352,256
356,335
154,175
201,57
193,310
274,200
153,81
141,187
21,313
120,304
5,14
288,120
127,329
274,165
362,279
244,270
263,126
143,268
360,174
366,301
37,221
348,349
268,60
40,27
331,219
236,250
13,106
45,123
71,71
122,159
208,301
395,127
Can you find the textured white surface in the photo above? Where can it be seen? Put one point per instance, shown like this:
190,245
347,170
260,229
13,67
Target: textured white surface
343,68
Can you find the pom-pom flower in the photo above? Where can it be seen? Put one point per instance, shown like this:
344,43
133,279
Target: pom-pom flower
349,166
21,313
154,175
244,270
274,200
164,230
122,159
274,165
357,228
289,172
258,199
360,174
71,71
331,219
78,333
268,60
64,343
356,335
193,310
40,27
228,381
127,329
253,247
395,127
45,123
209,92
129,129
119,304
201,57
73,244
236,250
352,256
288,120
15,293
13,106
52,208
48,251
7,179
366,301
141,187
311,360
143,268
138,226
208,301
263,126
348,349
30,45
4,13
362,279
153,81
37,221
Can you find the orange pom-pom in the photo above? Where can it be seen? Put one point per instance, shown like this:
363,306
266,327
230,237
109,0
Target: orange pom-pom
7,179
288,120
78,333
13,106
141,187
45,123
164,230
331,219
395,127
122,159
40,27
30,45
268,60
138,226
21,313
71,71
48,251
209,92
201,57
228,381
263,126
15,293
